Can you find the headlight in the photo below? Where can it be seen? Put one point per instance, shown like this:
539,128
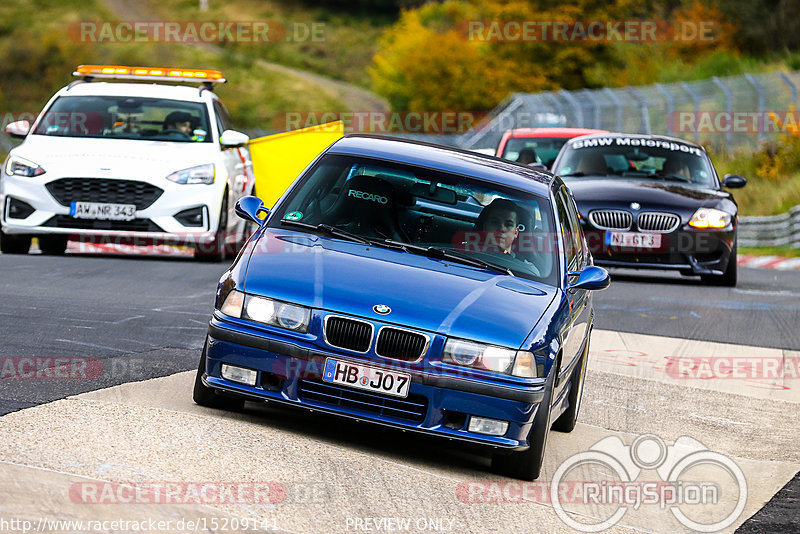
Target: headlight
478,355
202,174
267,311
492,358
16,166
710,218
276,313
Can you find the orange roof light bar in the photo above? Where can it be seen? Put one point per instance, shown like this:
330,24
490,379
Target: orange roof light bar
120,72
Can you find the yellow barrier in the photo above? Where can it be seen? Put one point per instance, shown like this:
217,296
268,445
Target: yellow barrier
278,159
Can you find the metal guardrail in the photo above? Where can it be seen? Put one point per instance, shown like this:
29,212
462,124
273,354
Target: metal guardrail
771,231
718,110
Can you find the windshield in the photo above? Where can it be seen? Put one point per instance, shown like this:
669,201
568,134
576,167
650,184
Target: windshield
125,117
505,229
534,149
636,159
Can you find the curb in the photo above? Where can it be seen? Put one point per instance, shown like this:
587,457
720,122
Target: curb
769,262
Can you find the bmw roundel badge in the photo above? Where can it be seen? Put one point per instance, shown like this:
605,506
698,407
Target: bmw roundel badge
382,309
635,205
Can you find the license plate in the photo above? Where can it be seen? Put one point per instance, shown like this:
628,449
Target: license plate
364,377
633,239
101,210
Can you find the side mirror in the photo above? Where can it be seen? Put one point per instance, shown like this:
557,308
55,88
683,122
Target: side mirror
538,166
232,139
249,208
591,278
18,128
734,181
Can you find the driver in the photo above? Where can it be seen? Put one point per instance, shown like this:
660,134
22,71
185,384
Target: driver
500,219
526,156
179,120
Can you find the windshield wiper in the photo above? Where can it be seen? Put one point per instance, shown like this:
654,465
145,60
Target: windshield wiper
443,253
474,261
673,177
580,174
404,246
657,175
330,230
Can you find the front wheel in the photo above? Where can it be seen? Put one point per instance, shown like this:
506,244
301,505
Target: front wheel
205,396
14,244
53,245
249,228
566,421
527,465
728,278
216,250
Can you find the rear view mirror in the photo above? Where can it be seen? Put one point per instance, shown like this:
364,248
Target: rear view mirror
249,208
636,155
434,192
18,128
734,181
232,139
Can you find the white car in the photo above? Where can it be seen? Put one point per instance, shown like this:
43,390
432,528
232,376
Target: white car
127,162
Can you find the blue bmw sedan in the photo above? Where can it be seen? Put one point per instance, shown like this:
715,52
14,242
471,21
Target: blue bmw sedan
416,286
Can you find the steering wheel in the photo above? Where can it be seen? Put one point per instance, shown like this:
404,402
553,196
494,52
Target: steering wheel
173,131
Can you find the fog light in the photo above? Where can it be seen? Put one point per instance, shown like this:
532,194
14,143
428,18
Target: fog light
191,217
18,209
239,374
492,427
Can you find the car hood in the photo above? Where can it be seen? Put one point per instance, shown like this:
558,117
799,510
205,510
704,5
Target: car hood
423,293
117,158
650,194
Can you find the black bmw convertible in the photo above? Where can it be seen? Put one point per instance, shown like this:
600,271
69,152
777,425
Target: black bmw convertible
653,202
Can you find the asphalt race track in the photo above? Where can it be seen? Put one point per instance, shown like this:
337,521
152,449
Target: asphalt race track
115,340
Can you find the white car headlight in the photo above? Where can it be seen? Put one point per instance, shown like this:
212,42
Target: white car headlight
276,313
17,166
710,218
492,358
201,174
478,355
267,311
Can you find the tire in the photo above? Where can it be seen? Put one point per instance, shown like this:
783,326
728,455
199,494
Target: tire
215,252
566,421
527,465
14,244
247,230
205,396
53,245
728,278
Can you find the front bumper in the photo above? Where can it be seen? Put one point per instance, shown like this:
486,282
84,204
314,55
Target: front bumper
439,403
695,252
157,222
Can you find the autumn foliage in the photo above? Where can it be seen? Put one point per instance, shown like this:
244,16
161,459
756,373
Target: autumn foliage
429,59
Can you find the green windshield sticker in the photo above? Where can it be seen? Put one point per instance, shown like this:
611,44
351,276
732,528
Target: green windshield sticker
294,216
